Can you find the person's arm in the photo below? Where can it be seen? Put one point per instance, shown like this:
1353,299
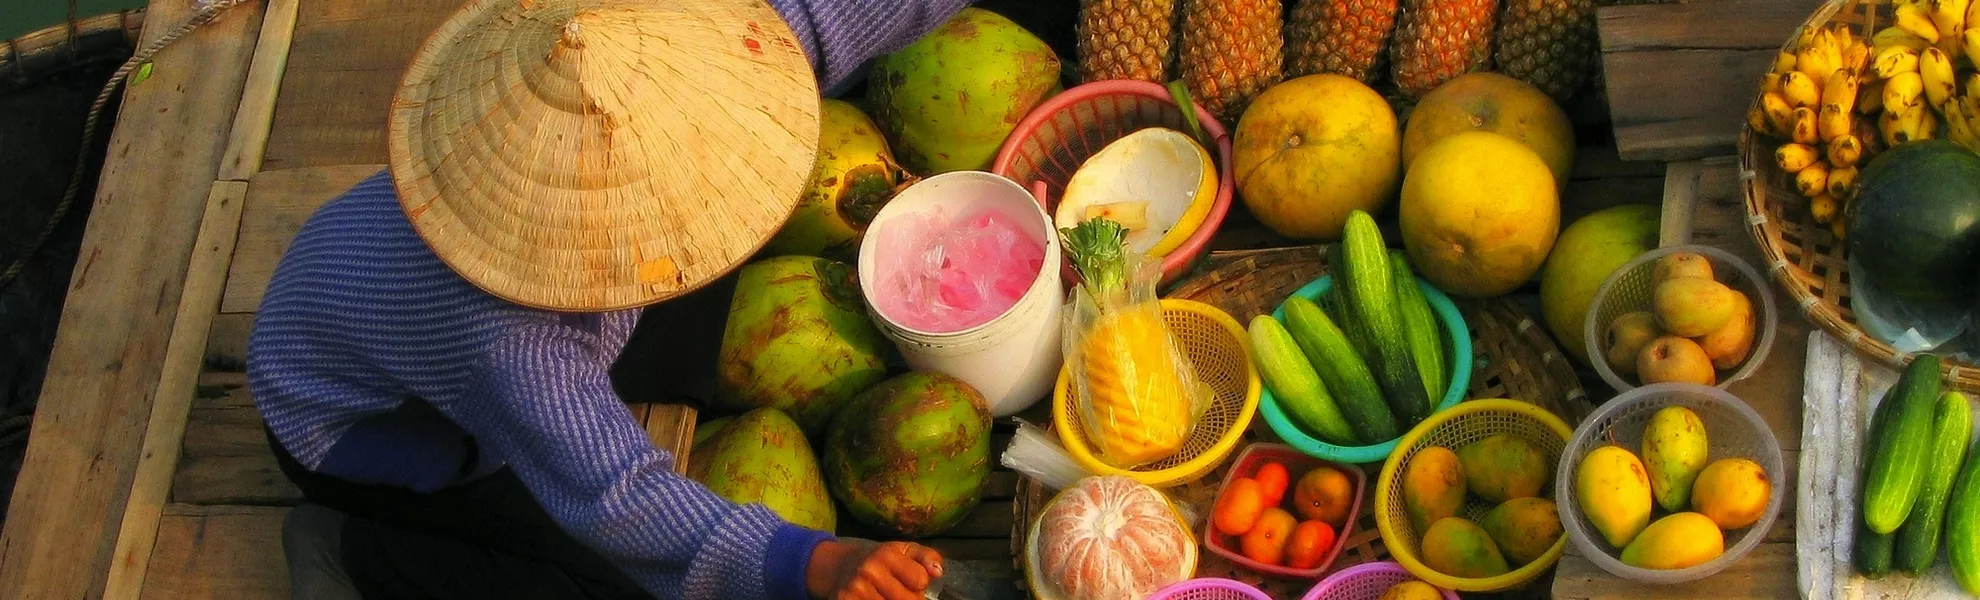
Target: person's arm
542,401
840,36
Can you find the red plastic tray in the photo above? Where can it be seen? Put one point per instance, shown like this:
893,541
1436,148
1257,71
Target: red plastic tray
1297,464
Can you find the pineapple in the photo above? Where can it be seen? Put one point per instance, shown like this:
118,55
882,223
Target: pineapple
1231,51
1548,43
1126,39
1343,37
1438,40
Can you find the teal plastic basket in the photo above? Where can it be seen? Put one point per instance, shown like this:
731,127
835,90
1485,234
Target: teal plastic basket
1457,339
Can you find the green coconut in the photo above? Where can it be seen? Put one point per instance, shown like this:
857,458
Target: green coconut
799,340
911,455
948,101
762,457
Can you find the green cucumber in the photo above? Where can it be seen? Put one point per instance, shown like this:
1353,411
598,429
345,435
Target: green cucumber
1963,525
1371,297
1343,371
1918,538
1896,461
1873,552
1338,308
1420,325
1287,372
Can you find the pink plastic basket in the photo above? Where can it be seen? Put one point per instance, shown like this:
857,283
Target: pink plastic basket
1365,581
1209,588
1051,143
1297,464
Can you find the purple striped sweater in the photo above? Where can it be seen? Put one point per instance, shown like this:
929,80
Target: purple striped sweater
361,317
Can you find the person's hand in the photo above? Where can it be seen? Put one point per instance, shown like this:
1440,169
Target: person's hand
889,571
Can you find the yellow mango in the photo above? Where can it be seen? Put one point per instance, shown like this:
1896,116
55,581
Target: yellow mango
1524,528
1677,541
1502,467
1412,590
1614,493
1674,451
1733,492
1433,487
1460,548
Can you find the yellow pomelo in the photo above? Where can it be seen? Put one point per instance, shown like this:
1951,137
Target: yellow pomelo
1479,214
1311,150
1157,182
1501,105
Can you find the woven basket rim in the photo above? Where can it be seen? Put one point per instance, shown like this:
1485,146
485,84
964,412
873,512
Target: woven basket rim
16,51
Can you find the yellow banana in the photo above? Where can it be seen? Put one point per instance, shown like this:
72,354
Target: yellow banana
1841,90
1824,208
1756,118
1869,138
1936,70
1913,19
1820,57
1973,12
1833,122
1857,55
1901,92
1795,157
1970,41
1845,150
1917,123
1949,16
1784,62
1770,83
1840,227
1892,36
1958,128
1800,90
1779,112
1805,129
1842,182
1812,181
1889,127
1894,61
1869,97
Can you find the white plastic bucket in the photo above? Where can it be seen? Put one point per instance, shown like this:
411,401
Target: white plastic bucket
1012,359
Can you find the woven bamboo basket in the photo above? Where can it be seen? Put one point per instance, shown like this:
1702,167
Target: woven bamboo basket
1804,256
1514,359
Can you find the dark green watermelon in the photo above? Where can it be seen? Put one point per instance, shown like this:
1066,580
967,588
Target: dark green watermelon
1914,238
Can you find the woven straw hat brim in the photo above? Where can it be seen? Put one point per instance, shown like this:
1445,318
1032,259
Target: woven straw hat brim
603,155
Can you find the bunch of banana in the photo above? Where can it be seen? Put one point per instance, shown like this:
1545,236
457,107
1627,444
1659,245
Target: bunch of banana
1838,99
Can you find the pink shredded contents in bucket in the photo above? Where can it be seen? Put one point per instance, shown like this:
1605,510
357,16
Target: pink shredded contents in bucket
941,275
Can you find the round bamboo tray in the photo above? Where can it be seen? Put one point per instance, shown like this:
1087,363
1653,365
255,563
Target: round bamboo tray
1513,358
1804,256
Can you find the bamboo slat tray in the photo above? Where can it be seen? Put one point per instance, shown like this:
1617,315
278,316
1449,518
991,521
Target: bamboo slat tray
1514,359
1804,256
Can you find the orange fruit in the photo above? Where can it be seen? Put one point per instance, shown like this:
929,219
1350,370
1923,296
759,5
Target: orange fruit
1310,542
1324,494
1237,509
1266,542
1271,478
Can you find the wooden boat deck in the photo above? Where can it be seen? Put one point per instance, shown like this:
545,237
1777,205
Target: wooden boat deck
148,474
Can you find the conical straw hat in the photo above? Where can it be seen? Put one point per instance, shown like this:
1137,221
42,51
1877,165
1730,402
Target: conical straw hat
600,155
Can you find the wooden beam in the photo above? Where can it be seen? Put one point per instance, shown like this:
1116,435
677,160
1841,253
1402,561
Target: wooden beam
123,303
199,301
279,202
1680,76
219,552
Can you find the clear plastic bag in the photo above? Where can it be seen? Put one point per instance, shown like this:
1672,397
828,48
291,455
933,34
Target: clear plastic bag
1138,396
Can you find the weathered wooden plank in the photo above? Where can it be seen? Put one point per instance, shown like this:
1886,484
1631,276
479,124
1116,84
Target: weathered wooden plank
1767,572
336,92
249,137
1678,75
224,552
671,427
69,501
227,341
278,203
226,459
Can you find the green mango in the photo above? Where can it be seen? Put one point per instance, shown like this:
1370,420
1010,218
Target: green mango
762,457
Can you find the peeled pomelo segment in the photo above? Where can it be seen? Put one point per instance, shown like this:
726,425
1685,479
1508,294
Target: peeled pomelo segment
1157,182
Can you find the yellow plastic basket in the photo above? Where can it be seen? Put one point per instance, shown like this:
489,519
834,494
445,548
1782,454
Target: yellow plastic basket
1453,428
1216,345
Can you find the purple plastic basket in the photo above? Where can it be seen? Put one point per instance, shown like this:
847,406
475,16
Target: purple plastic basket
1210,588
1365,581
